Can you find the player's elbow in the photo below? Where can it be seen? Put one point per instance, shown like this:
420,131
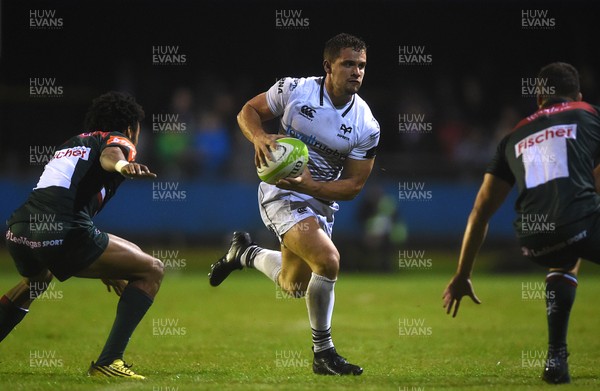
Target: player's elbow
107,163
245,113
352,191
240,115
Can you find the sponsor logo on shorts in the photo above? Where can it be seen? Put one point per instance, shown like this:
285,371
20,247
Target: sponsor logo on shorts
530,252
33,244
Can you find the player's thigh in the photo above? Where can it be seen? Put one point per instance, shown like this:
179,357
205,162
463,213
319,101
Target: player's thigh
123,260
295,272
308,241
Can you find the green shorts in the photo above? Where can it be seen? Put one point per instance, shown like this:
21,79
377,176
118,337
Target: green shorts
65,248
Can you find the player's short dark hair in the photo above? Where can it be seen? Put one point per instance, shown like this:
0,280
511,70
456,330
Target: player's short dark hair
113,111
562,80
334,45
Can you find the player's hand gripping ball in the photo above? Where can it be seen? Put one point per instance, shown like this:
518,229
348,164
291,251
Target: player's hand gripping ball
290,159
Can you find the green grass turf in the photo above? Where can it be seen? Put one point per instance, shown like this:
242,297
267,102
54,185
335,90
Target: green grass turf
233,335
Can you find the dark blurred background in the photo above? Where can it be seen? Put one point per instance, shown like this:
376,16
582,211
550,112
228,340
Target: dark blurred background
441,112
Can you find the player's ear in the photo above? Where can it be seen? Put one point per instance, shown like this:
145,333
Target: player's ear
134,133
579,97
540,100
327,66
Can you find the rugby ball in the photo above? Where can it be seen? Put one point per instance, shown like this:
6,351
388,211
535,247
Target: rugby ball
290,159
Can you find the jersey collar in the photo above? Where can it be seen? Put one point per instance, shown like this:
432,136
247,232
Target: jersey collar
553,101
322,95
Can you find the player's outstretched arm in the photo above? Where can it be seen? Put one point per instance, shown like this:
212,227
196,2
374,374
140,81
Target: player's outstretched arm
491,195
250,119
113,159
354,176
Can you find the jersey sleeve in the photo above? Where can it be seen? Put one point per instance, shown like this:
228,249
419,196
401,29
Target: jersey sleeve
367,145
117,139
498,166
279,94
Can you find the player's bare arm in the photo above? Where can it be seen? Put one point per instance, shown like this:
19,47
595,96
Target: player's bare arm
491,195
110,158
250,119
354,176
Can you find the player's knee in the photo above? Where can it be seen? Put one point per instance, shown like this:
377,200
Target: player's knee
157,270
328,265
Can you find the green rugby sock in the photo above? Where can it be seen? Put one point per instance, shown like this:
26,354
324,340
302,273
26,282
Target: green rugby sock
132,307
10,316
560,295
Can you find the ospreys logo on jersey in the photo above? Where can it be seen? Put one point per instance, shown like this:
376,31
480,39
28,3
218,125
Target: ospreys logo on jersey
307,112
346,130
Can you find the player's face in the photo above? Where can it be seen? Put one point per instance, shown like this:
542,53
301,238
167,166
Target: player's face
348,71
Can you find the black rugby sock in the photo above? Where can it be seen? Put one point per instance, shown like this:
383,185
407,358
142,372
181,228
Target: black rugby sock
131,309
560,295
10,316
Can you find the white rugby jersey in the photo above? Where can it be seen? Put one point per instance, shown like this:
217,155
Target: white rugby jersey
331,134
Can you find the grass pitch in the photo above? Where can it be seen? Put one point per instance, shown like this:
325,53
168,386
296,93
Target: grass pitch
246,335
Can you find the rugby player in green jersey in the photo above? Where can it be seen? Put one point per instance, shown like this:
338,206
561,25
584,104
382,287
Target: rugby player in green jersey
52,233
551,156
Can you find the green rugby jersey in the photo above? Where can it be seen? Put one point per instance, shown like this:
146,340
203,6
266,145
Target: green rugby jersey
74,186
551,156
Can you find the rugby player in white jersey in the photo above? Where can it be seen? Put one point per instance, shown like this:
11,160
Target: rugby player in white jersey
342,136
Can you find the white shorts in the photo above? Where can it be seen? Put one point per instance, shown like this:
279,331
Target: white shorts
282,209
